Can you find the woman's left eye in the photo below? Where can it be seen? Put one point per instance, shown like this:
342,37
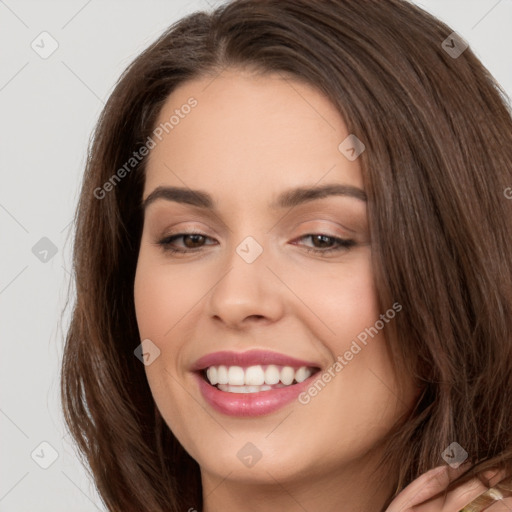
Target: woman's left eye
194,241
334,243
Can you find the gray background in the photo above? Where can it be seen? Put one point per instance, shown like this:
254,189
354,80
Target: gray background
48,110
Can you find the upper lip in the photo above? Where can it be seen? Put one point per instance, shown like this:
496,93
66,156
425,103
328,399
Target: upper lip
249,358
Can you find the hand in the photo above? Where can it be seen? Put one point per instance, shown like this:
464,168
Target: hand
419,495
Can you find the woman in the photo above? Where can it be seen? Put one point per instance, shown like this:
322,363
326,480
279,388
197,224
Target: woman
336,335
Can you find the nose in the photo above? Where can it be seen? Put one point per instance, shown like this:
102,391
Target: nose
248,292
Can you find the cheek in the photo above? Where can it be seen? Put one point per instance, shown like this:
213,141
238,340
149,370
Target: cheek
342,297
353,304
150,299
162,296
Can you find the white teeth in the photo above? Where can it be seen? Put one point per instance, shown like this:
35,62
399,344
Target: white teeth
272,374
255,378
222,375
236,376
211,373
243,389
302,374
287,375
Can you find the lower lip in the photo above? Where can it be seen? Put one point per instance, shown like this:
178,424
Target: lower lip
250,404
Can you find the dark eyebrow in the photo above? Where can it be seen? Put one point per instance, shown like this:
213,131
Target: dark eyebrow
180,195
296,196
287,199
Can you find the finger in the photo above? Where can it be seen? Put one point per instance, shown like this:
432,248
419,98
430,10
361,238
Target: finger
461,496
425,487
487,500
466,494
494,476
492,500
454,501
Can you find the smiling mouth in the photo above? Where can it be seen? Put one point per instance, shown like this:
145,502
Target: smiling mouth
256,378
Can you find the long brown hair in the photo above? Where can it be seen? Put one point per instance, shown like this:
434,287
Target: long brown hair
438,160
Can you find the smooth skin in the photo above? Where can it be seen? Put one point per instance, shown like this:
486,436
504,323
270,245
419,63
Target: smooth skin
249,139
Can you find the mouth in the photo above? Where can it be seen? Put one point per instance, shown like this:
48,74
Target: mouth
255,378
252,383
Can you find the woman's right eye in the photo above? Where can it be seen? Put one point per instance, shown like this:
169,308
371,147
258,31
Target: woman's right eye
191,242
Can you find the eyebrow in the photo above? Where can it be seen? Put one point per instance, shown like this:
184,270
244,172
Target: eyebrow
287,199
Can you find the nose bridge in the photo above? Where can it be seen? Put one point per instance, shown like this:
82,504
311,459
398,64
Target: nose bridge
248,243
246,288
247,268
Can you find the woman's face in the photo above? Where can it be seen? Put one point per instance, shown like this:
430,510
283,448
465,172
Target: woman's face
250,279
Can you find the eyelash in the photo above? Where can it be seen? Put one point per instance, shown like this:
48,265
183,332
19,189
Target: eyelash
342,243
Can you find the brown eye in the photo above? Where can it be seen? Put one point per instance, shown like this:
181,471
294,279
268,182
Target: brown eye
323,244
191,241
194,240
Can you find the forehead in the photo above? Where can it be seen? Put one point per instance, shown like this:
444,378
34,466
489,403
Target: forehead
252,132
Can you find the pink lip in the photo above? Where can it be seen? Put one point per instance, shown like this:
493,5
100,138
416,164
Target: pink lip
249,358
250,404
